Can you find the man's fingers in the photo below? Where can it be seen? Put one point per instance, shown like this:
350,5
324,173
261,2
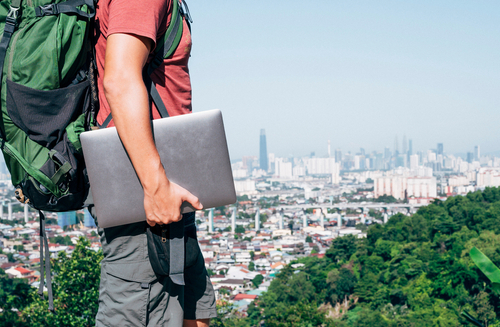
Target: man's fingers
194,201
151,223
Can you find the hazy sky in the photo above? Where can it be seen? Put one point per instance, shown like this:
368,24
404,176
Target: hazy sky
357,73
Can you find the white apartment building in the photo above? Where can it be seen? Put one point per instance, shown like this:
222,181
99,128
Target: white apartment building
283,168
414,161
488,177
245,186
320,165
401,186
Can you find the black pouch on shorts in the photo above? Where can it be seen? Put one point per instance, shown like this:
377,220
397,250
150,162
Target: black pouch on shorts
159,238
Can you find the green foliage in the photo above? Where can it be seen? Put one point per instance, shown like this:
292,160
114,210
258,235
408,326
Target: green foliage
63,240
239,229
386,199
76,290
257,280
14,295
487,267
342,248
413,271
308,239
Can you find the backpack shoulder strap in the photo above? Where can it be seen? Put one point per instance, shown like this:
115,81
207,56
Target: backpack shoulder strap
9,29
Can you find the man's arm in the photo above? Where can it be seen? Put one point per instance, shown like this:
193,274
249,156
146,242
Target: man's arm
128,99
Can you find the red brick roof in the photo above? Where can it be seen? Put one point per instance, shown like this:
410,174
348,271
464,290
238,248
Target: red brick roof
23,270
244,296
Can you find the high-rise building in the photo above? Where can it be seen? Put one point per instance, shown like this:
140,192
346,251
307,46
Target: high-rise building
88,221
338,155
410,147
414,160
440,148
387,153
66,218
329,149
477,153
470,157
396,146
404,145
263,151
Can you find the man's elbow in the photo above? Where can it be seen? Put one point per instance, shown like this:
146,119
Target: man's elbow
112,87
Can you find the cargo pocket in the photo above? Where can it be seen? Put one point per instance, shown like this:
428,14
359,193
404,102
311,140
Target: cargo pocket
44,115
127,293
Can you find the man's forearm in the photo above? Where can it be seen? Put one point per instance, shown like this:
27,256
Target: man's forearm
128,99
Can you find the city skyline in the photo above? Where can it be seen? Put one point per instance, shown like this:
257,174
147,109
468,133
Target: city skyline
355,73
330,150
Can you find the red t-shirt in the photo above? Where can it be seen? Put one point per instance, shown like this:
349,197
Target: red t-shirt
149,19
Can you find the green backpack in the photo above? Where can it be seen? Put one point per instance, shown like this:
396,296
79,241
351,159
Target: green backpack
46,99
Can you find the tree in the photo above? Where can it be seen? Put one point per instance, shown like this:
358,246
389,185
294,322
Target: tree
239,229
308,239
76,290
15,294
485,311
342,248
257,280
251,266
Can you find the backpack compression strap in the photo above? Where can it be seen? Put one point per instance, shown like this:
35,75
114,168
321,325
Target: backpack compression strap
67,7
44,243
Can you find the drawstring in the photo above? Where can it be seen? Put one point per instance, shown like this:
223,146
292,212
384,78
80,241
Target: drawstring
45,243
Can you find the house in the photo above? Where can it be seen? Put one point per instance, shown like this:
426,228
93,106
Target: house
235,284
21,272
242,296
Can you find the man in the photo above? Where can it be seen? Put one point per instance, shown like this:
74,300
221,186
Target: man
130,294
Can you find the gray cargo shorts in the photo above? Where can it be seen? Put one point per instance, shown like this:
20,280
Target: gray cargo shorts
130,294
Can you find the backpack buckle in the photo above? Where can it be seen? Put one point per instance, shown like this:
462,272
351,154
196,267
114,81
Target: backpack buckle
47,10
13,13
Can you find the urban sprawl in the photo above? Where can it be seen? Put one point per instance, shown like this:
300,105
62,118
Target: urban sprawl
287,208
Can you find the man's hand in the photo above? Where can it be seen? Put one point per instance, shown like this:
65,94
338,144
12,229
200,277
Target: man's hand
162,203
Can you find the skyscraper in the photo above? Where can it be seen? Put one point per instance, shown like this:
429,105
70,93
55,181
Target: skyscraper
88,221
404,145
338,155
470,157
440,148
410,147
387,153
263,151
396,147
477,152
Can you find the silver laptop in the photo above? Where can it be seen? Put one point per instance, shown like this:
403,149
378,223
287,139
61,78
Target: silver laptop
193,150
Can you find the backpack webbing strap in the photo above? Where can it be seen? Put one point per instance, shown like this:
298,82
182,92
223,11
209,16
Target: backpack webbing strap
177,257
44,246
67,7
10,27
155,96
